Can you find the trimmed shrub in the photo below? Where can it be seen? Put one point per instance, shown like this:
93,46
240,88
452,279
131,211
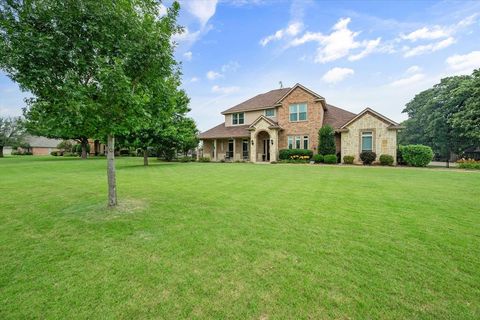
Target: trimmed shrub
368,157
386,160
417,155
317,158
303,154
330,158
468,164
185,159
204,159
54,153
348,159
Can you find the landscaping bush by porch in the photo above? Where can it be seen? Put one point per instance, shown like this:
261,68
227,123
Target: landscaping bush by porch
368,157
417,155
330,158
348,159
386,160
317,158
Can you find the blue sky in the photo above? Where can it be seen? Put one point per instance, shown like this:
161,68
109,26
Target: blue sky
356,54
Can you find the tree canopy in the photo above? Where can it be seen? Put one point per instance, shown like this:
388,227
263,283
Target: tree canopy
445,117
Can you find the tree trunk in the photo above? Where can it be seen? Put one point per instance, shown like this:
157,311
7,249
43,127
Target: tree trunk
1,151
112,184
145,157
84,149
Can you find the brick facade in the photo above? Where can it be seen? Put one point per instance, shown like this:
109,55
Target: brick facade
309,127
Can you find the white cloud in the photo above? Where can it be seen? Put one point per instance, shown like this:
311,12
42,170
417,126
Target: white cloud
188,55
425,33
232,66
194,79
225,90
337,74
203,10
338,44
413,69
408,80
212,75
464,64
370,46
291,30
428,48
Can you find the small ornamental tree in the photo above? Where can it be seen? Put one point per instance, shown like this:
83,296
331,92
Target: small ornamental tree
108,60
11,133
326,140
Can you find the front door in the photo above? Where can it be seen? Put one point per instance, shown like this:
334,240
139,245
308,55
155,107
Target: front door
266,150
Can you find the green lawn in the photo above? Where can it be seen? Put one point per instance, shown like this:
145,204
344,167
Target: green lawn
237,241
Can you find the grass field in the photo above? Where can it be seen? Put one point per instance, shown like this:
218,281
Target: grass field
237,241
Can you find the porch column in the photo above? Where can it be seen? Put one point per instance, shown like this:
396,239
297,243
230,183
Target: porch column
273,147
215,150
253,147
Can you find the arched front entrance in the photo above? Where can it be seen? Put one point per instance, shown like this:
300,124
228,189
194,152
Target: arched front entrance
263,149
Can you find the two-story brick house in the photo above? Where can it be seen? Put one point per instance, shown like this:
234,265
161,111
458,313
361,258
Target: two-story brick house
256,129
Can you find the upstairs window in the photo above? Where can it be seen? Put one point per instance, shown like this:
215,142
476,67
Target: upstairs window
367,141
298,112
270,113
238,118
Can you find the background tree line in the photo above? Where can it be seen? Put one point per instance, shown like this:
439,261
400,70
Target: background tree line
445,117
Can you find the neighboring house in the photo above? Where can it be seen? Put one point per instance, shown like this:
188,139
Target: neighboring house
289,118
41,146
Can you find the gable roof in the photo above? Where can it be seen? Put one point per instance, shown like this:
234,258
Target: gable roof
42,142
222,131
260,101
262,117
336,117
373,112
298,85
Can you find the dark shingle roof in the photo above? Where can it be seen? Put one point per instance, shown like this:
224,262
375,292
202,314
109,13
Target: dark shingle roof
337,117
221,131
260,101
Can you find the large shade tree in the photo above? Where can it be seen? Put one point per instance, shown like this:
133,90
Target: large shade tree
103,59
445,117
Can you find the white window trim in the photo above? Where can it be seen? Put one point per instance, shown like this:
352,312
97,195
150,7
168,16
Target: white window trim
238,118
298,112
293,139
366,134
272,116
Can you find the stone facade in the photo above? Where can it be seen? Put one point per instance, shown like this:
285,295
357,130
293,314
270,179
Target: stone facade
384,139
309,127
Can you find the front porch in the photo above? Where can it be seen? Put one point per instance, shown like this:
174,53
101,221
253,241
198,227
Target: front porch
257,142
